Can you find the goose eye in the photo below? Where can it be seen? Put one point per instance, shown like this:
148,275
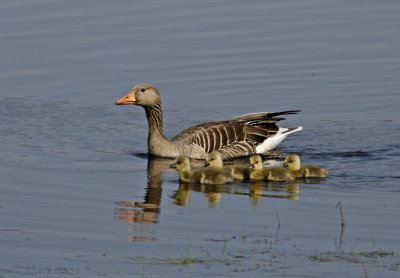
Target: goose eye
143,90
212,159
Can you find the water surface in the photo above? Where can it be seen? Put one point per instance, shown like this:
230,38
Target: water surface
80,197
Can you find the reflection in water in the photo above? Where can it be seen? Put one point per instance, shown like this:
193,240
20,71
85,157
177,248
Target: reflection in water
255,191
182,195
148,211
260,189
212,193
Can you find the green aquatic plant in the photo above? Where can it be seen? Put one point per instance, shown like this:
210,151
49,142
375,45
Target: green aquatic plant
190,258
352,257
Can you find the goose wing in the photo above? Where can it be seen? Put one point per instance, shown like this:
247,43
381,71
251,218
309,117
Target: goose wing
235,137
267,115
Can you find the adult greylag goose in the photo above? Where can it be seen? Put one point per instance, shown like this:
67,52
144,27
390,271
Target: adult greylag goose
274,173
240,136
304,170
200,175
238,171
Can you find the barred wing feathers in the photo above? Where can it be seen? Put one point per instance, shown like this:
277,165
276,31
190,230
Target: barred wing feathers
235,137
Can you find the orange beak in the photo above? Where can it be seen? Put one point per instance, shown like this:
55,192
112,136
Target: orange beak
128,99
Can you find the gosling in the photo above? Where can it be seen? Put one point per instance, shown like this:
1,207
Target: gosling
305,170
238,172
202,175
274,173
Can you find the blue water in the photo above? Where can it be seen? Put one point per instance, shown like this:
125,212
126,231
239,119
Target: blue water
80,197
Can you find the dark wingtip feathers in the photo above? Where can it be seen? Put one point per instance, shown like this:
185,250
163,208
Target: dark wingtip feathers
288,112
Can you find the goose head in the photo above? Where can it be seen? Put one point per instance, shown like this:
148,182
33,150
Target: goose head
143,94
293,162
214,160
256,162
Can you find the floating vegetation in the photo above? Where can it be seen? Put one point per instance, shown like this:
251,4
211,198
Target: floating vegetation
138,238
352,257
186,260
40,270
192,260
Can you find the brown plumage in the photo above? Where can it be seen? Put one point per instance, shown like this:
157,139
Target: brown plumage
240,136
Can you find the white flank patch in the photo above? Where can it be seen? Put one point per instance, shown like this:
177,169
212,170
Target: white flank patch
273,141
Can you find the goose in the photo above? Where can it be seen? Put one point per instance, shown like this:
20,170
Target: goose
304,170
274,173
201,175
239,172
241,136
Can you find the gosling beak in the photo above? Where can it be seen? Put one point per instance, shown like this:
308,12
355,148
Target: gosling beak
206,163
285,164
251,166
172,166
125,100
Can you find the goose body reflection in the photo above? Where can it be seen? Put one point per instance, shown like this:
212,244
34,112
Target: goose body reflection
201,175
304,170
274,173
238,171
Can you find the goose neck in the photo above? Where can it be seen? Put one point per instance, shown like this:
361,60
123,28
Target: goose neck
155,119
158,144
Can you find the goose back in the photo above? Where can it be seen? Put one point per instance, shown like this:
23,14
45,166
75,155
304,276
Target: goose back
232,138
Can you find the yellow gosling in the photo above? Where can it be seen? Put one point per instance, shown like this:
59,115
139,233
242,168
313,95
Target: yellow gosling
202,175
238,172
304,170
274,173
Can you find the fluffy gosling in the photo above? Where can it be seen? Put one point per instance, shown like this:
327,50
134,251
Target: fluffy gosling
202,175
274,173
304,170
238,172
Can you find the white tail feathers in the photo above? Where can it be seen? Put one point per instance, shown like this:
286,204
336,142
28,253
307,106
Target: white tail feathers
273,141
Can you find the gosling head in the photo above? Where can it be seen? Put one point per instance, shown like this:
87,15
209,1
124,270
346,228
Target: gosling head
214,160
256,162
181,164
293,162
143,94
